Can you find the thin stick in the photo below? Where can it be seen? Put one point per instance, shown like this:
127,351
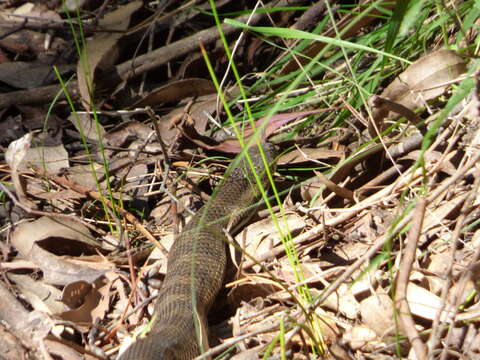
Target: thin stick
404,278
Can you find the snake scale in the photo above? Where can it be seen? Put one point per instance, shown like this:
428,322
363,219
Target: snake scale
196,266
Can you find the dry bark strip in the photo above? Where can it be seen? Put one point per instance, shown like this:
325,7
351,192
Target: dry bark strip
41,95
22,324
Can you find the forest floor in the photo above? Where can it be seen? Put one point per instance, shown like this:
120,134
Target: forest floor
118,118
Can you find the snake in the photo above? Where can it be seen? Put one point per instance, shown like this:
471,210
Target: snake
196,263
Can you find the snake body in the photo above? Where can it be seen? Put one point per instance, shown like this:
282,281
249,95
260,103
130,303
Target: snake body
196,266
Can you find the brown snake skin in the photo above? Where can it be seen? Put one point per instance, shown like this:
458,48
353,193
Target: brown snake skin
196,267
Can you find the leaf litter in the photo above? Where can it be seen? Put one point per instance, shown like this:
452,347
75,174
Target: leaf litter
80,270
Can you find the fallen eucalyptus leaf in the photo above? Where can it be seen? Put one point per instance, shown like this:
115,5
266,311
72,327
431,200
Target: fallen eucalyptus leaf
425,79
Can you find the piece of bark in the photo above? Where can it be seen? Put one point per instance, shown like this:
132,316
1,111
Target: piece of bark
30,327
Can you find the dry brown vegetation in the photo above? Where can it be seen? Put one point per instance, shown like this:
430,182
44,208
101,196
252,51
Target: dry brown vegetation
113,134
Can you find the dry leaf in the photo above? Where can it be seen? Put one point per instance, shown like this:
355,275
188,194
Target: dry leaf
28,238
311,271
359,337
439,263
73,5
344,301
250,354
63,350
198,116
424,303
88,176
250,287
16,152
326,326
303,155
88,302
425,79
256,316
27,41
122,133
20,155
87,126
74,294
41,296
26,234
176,91
135,179
439,213
101,50
259,238
378,313
323,326
27,75
11,345
52,159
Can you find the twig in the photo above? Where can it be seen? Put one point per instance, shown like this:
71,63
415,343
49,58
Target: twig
339,190
434,339
404,278
14,30
381,241
230,342
165,54
316,231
